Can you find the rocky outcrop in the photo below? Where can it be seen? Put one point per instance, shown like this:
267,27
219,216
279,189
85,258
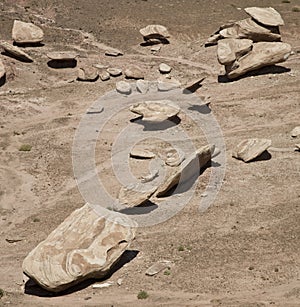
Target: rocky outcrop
26,33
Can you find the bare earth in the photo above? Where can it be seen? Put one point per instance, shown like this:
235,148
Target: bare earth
244,250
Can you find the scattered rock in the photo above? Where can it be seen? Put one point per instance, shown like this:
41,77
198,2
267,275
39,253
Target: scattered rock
158,267
189,169
265,15
104,75
87,74
26,33
141,152
2,70
232,49
155,32
71,254
123,87
142,86
135,195
62,55
113,52
250,149
103,285
295,132
262,54
119,281
165,86
16,52
164,68
175,157
134,72
114,72
156,111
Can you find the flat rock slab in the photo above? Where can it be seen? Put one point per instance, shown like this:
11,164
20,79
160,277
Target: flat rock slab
231,49
165,86
16,52
140,152
189,169
142,86
155,32
134,72
295,132
114,72
265,15
123,87
26,33
164,68
156,111
87,74
62,55
250,149
2,70
113,52
135,195
158,267
86,245
262,54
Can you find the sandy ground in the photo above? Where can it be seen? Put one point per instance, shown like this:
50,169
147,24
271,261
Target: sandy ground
242,251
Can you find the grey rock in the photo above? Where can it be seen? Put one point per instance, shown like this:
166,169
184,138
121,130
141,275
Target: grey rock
114,72
174,157
16,52
142,86
113,52
164,68
62,55
87,74
123,87
26,33
295,132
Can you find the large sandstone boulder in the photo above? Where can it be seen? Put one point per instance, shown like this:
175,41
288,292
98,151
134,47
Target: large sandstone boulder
15,52
86,245
265,15
26,33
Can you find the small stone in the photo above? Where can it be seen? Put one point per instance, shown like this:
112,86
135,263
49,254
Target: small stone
250,149
165,86
102,285
104,75
16,52
87,74
62,55
158,267
175,157
113,52
2,70
156,111
134,72
100,66
265,15
150,177
155,32
295,132
114,72
123,87
297,147
119,281
164,68
142,86
141,152
26,33
155,49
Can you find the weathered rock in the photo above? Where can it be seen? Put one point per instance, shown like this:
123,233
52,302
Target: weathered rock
16,52
265,15
231,49
87,74
295,132
175,157
155,32
114,72
100,66
134,72
113,52
123,87
164,68
26,33
86,245
262,54
156,111
2,70
158,267
189,169
250,149
165,86
135,195
142,86
104,75
141,152
213,40
62,55
150,177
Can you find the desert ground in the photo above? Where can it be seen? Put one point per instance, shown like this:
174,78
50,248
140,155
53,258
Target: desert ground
244,250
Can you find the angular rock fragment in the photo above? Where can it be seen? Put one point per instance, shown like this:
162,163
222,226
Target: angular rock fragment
156,111
87,74
265,15
26,33
123,87
135,195
16,52
155,32
158,267
134,72
250,149
142,86
141,152
231,49
86,245
114,72
113,52
104,75
295,132
262,54
189,169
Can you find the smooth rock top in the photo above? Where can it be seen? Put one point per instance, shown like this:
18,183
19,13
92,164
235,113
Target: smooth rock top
156,111
16,52
250,149
114,72
142,86
2,70
155,31
164,68
62,55
134,72
26,33
267,16
123,87
87,74
295,132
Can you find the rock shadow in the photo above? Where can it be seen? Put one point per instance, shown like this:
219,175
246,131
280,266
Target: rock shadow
145,208
2,80
203,109
157,126
62,63
25,45
19,58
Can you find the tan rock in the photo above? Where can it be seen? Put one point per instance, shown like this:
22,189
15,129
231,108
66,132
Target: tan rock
87,74
295,132
158,267
165,86
113,52
16,52
141,152
62,55
134,72
86,245
142,86
231,49
123,87
156,111
155,32
114,72
26,33
265,15
2,70
250,149
262,54
188,169
164,68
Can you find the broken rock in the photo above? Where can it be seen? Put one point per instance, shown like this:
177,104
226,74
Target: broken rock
16,52
250,149
87,74
134,72
165,86
104,75
26,33
86,245
265,15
